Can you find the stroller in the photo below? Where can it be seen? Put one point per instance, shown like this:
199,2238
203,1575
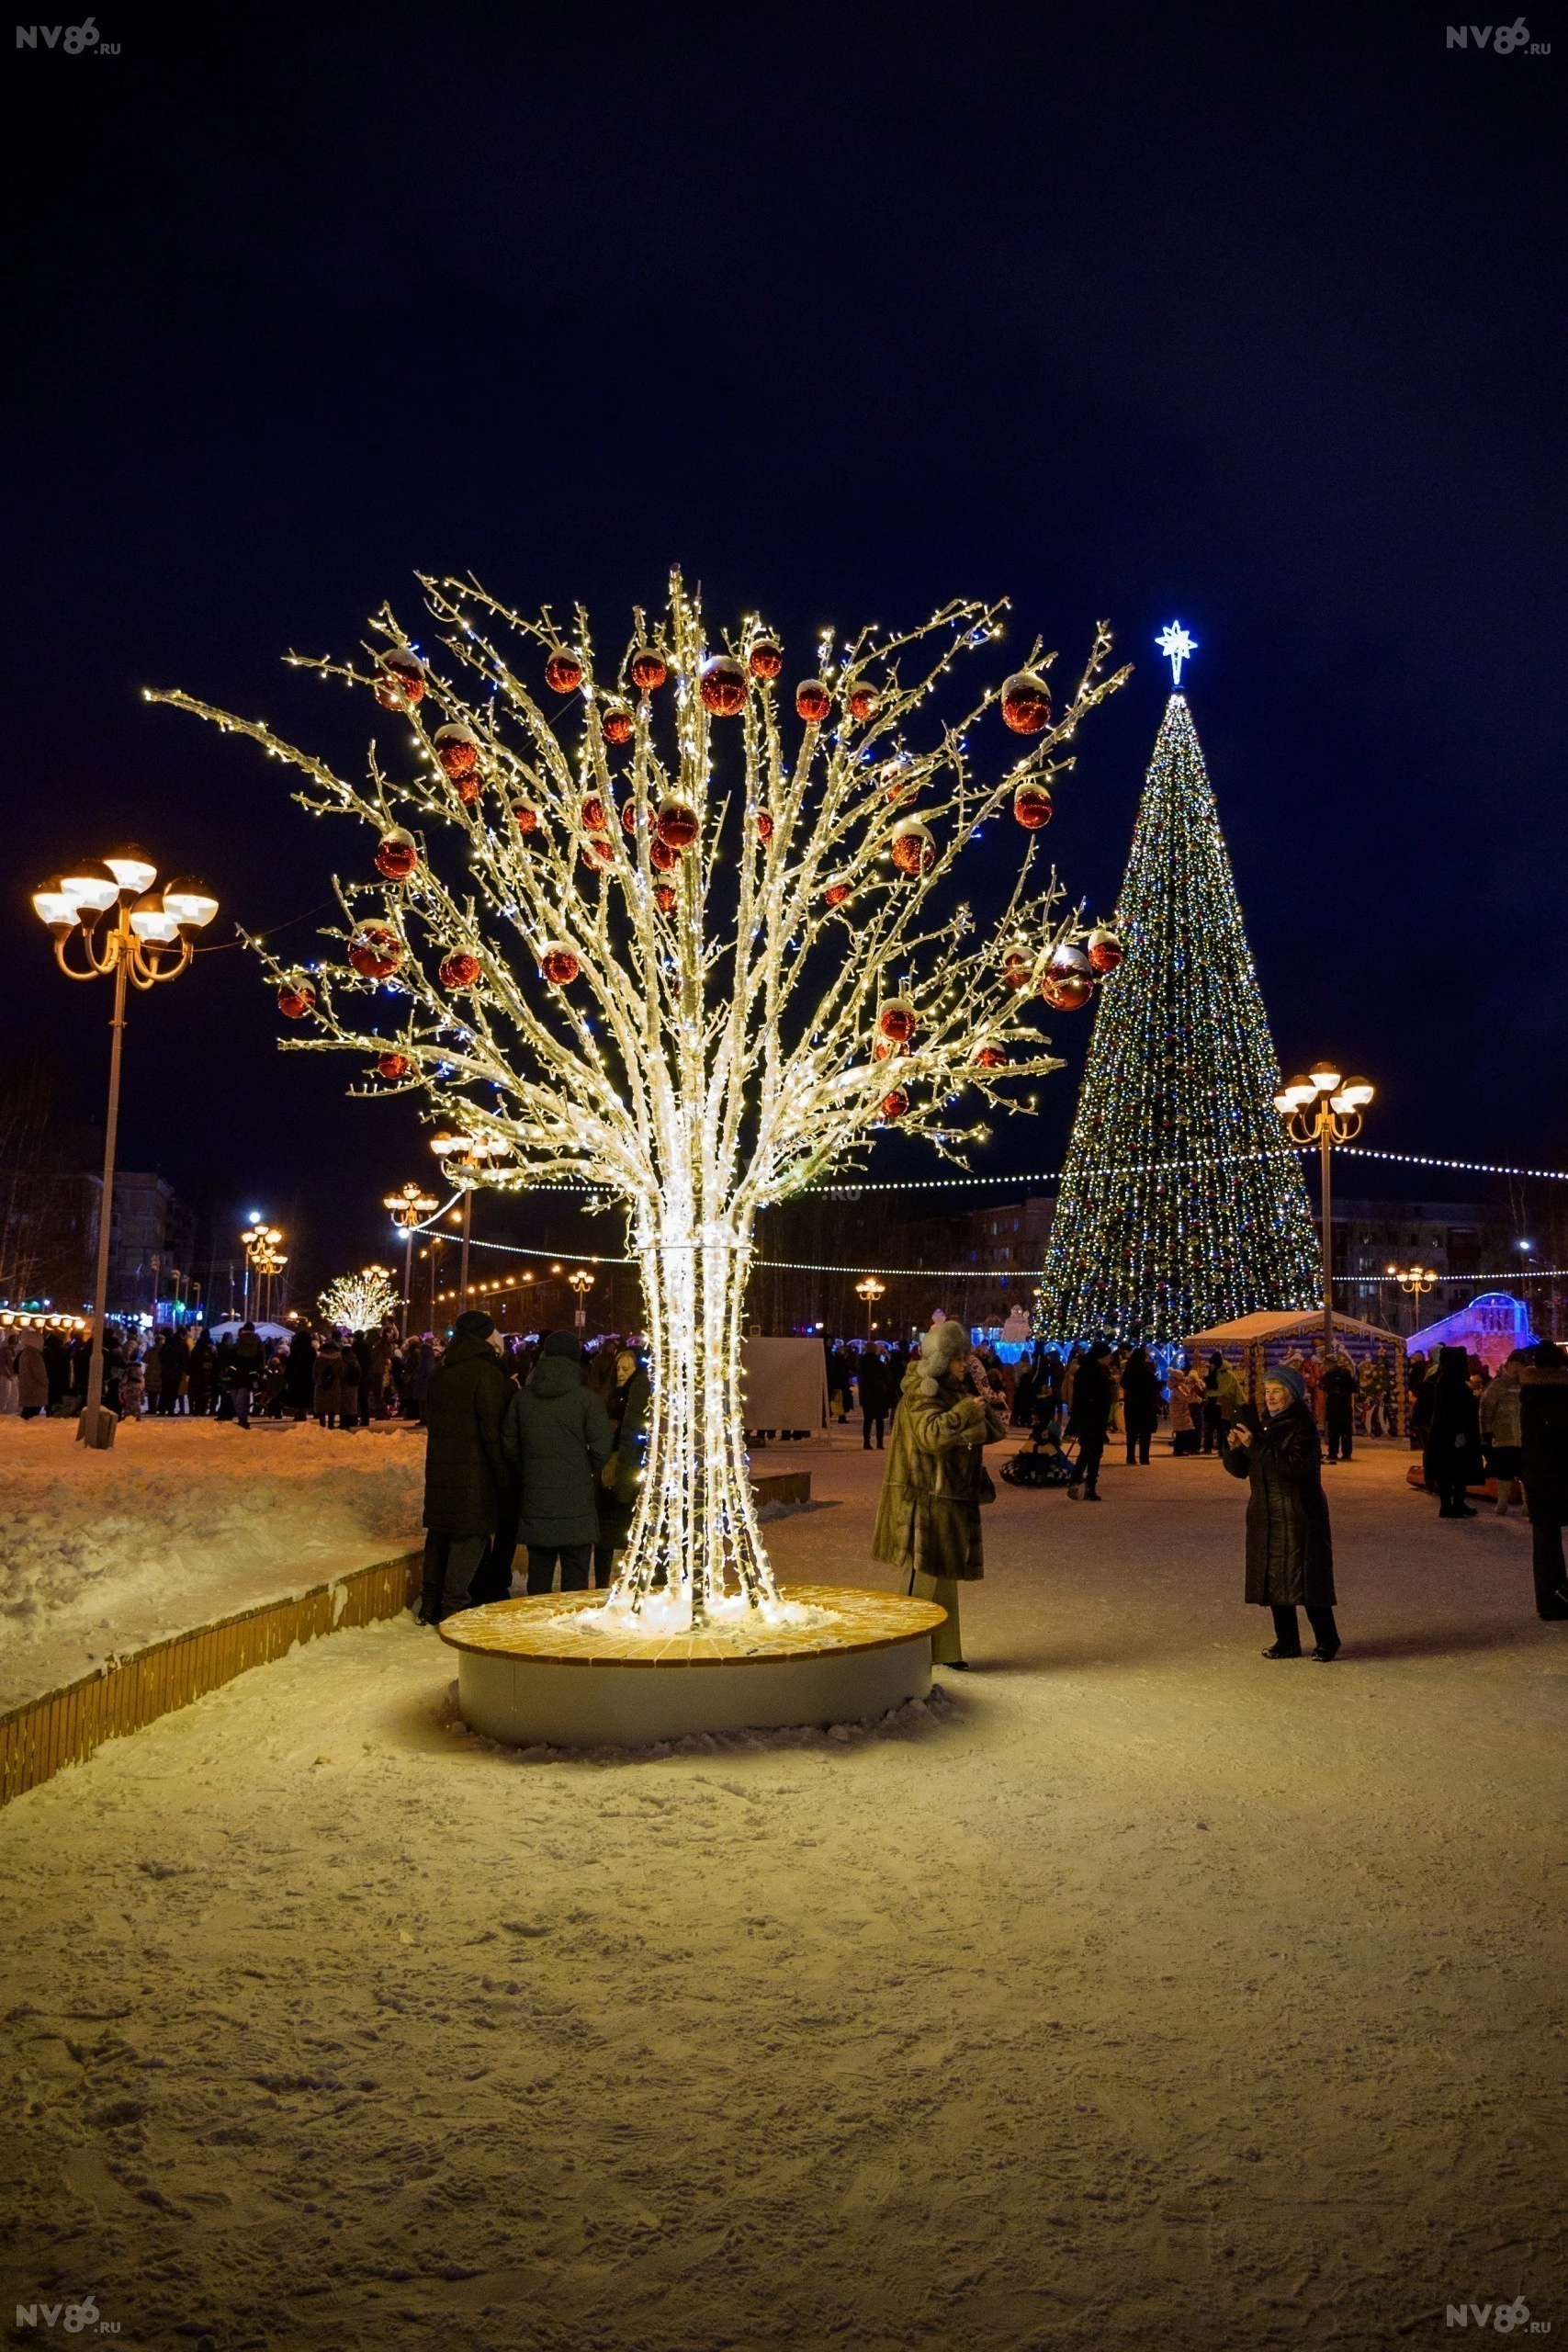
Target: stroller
1042,1462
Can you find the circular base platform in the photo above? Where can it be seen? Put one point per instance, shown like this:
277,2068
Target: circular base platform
527,1675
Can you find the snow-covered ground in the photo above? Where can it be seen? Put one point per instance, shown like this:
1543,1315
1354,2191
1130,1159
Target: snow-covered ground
177,1524
1145,1995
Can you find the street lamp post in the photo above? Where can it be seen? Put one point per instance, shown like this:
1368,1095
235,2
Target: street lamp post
582,1282
149,940
1324,1109
259,1243
410,1208
871,1290
464,1158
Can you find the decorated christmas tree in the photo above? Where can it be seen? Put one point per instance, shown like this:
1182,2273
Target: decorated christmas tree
1181,1205
666,928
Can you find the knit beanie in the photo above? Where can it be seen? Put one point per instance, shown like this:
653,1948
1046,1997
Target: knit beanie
564,1344
475,1325
1288,1377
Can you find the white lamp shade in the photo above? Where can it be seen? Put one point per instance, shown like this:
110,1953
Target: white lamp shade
1324,1078
1357,1093
131,866
153,923
190,902
90,887
51,905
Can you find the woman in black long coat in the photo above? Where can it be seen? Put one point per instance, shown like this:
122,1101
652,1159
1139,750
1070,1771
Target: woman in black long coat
1140,1403
1089,1420
1453,1457
1290,1551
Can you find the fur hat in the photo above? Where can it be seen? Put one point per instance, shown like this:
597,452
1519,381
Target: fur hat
938,1348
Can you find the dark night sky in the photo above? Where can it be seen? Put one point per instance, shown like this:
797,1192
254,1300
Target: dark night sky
1248,315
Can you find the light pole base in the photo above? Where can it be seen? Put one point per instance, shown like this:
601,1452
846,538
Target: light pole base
103,1436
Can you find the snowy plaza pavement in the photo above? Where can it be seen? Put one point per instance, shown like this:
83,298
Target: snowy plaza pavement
1143,1993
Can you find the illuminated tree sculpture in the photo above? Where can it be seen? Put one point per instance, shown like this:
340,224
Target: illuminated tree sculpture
361,1301
690,966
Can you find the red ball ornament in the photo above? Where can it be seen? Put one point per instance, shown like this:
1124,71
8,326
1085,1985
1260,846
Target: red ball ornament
1069,983
894,1105
812,701
648,671
399,679
661,856
1032,807
863,701
526,817
295,1000
559,965
457,749
397,854
391,1067
594,819
765,660
1018,967
563,672
678,824
913,849
460,970
628,816
1026,702
1105,951
598,853
896,1021
375,952
836,893
617,724
765,825
664,899
991,1057
723,686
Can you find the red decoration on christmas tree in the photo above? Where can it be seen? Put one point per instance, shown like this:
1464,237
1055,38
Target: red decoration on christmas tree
391,1067
1032,807
913,849
559,965
526,817
991,1057
563,672
863,701
397,854
594,819
649,670
1018,967
1069,983
295,998
1105,950
723,686
664,899
766,661
399,679
765,825
894,1105
896,1021
836,893
812,701
617,724
457,749
678,824
461,969
375,952
1026,702
661,856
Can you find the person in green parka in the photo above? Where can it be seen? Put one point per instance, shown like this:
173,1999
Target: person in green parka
927,1521
558,1435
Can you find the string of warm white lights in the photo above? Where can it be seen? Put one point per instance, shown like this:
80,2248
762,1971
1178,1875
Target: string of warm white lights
1470,1166
1181,1075
623,986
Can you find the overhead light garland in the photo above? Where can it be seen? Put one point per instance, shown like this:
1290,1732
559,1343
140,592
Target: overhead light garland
625,989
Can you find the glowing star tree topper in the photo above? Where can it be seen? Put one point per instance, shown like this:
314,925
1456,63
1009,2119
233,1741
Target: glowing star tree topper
1177,647
668,928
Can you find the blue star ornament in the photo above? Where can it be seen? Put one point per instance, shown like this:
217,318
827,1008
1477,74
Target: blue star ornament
1176,645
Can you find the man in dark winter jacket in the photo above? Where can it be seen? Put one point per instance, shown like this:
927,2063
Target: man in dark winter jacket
466,1476
1089,1420
557,1434
1543,1436
1340,1388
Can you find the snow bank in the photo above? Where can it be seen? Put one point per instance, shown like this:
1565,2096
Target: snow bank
177,1524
